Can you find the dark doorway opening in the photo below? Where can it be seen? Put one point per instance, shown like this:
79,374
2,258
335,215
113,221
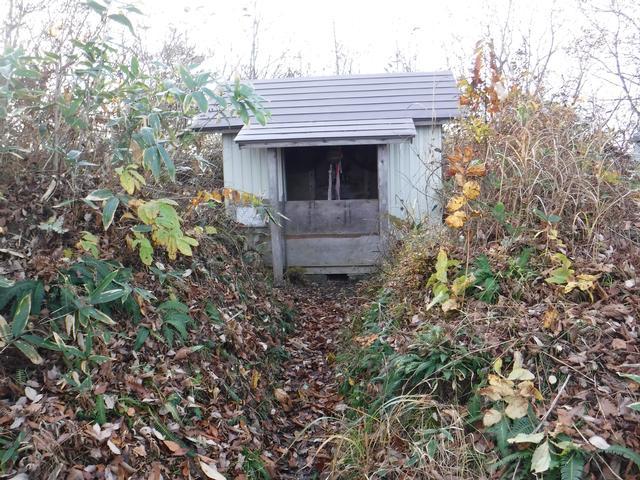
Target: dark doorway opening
331,173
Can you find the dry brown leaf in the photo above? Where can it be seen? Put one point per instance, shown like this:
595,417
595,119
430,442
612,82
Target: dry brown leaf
618,344
175,448
550,319
491,417
211,471
283,398
517,407
479,170
449,305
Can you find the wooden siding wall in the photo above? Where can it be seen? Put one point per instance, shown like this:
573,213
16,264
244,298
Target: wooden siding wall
415,175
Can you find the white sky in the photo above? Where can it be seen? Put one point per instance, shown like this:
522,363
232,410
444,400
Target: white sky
439,33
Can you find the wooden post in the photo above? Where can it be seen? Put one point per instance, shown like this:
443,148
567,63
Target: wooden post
383,195
277,229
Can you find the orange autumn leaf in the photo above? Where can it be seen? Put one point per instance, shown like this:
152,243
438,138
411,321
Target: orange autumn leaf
455,169
467,155
478,170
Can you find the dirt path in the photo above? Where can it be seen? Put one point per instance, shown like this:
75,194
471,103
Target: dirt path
310,382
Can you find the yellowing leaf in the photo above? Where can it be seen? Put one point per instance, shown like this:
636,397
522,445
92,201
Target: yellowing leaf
583,281
498,388
521,374
456,203
255,378
527,438
130,179
5,331
541,459
471,190
497,366
460,284
456,220
528,390
450,304
491,417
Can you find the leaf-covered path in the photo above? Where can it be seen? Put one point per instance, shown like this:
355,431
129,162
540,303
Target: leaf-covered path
308,392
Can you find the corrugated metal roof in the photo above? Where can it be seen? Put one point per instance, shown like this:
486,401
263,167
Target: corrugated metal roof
327,132
324,102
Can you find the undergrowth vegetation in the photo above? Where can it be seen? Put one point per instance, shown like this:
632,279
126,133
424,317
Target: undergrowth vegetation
138,330
504,345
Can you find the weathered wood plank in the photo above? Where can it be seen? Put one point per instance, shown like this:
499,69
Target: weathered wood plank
333,251
332,217
383,195
278,247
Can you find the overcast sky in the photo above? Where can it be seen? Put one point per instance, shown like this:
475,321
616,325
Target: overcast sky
438,33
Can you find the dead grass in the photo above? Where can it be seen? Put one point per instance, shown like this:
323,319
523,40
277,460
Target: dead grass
409,436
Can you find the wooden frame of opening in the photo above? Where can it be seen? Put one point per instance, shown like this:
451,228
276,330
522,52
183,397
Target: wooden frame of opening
373,242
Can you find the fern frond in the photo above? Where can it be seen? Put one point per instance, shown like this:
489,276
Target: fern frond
572,467
625,452
509,459
521,425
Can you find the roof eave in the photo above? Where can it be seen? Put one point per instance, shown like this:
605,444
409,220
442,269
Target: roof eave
325,142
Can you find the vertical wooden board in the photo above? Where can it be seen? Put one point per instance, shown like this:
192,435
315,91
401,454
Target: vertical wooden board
383,195
278,250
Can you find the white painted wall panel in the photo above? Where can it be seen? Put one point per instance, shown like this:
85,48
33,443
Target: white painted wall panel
244,169
415,176
247,170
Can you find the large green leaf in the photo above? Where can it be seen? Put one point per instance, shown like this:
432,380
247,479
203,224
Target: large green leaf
109,211
122,20
201,100
99,195
100,316
151,157
141,337
21,316
168,163
96,7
